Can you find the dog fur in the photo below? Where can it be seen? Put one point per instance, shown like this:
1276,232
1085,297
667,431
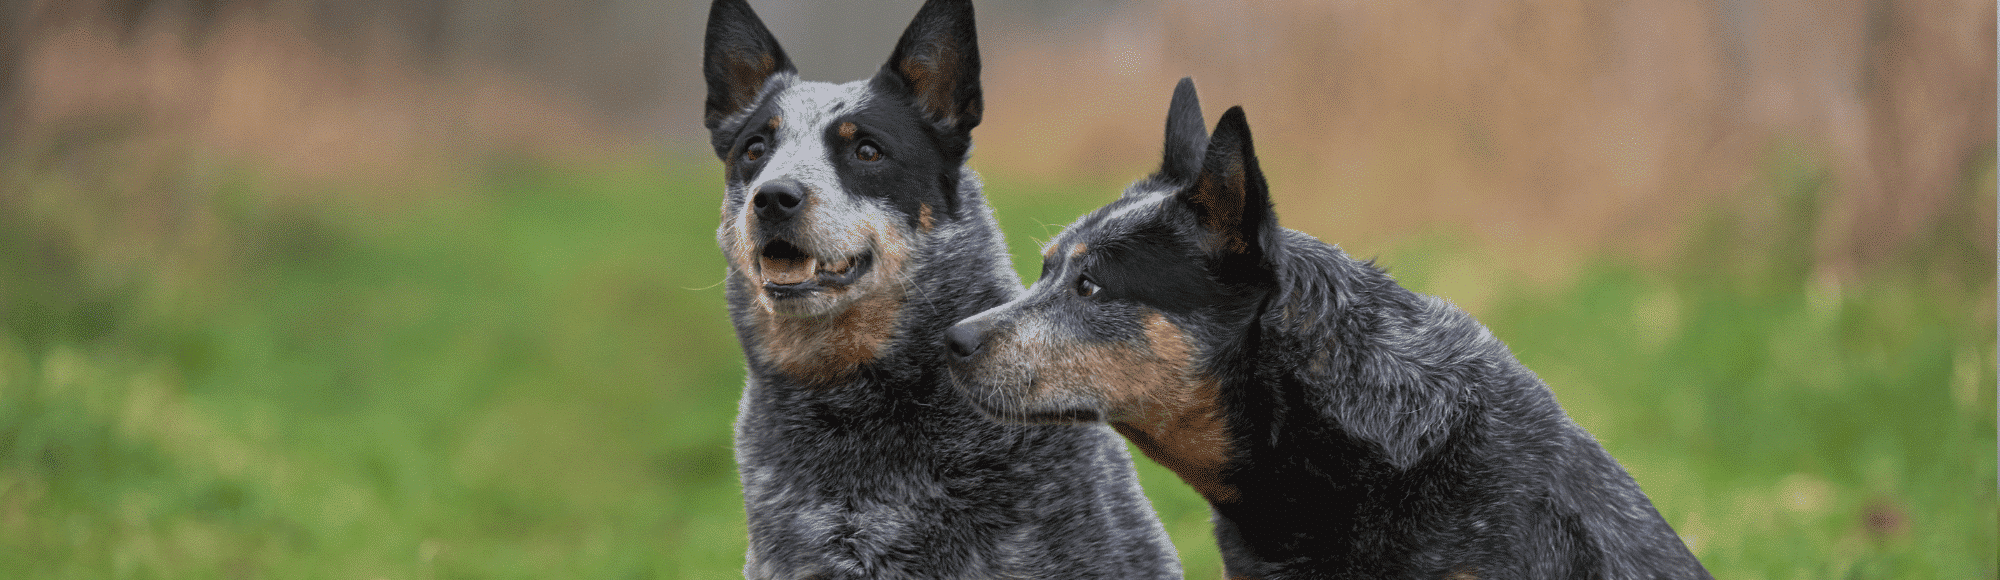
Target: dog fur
854,235
1339,425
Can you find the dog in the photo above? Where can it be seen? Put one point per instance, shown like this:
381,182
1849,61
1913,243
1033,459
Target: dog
1339,425
855,235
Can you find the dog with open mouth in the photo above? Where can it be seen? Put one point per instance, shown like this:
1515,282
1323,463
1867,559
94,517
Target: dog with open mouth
854,235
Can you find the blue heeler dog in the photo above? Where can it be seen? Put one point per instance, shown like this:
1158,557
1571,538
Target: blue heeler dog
855,234
1339,425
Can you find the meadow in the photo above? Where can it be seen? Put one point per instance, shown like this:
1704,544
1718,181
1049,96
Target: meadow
210,372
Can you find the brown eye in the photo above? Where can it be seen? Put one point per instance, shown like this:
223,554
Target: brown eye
755,150
1086,288
867,152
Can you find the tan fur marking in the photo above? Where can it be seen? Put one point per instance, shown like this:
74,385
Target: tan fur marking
1190,441
847,130
924,218
1222,207
928,78
1124,374
748,78
1157,403
775,121
824,351
1049,249
1462,573
1146,387
1077,250
737,246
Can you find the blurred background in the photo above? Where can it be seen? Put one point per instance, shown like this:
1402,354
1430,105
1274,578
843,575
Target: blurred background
428,288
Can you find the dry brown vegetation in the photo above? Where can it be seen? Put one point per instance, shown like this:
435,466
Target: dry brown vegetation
1536,125
1543,128
259,84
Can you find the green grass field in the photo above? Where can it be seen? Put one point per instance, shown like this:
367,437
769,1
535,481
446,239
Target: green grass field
208,373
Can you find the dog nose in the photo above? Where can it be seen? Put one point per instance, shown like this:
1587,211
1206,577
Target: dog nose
779,200
965,339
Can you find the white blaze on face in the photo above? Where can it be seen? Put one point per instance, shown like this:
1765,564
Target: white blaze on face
805,112
827,228
1142,202
835,231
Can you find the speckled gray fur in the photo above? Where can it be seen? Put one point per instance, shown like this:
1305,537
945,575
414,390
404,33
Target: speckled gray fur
881,471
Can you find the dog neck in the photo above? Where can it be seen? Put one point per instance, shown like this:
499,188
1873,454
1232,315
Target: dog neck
829,350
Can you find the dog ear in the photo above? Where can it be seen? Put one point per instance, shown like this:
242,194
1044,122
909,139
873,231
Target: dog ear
1229,197
936,64
1187,135
738,56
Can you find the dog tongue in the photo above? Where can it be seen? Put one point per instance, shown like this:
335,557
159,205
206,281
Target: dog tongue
784,271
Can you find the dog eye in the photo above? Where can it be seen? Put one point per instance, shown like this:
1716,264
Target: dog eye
867,152
1086,288
755,150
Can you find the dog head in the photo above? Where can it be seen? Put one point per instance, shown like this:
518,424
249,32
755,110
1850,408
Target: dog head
831,188
1138,302
1136,296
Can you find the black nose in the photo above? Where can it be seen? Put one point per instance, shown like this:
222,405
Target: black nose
965,339
778,200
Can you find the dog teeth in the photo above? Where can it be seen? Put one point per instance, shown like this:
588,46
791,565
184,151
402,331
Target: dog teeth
785,271
838,268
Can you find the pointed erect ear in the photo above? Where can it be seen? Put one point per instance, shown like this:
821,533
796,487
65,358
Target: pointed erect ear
738,56
936,64
1229,196
1187,135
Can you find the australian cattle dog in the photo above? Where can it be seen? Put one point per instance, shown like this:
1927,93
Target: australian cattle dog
1339,425
855,235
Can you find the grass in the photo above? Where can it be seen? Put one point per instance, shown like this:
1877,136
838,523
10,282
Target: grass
208,373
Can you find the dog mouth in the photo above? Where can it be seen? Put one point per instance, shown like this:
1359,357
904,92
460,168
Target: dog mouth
1008,412
791,272
1036,416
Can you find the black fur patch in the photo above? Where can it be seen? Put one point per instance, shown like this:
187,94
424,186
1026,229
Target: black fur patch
916,165
1187,135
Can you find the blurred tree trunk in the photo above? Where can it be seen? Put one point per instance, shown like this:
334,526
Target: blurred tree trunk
13,45
1926,82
